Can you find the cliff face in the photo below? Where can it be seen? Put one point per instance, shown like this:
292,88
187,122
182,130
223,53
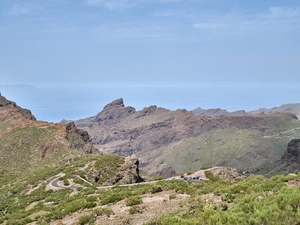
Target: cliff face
289,162
292,154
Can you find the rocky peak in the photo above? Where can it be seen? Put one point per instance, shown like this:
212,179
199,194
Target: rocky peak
114,112
114,104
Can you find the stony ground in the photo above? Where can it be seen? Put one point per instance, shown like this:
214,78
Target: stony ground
153,206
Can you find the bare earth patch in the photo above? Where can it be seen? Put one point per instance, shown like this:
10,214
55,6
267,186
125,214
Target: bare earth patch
153,206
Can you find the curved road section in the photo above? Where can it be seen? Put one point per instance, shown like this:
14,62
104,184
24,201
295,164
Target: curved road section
54,183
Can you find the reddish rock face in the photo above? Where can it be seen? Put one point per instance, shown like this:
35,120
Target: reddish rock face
11,109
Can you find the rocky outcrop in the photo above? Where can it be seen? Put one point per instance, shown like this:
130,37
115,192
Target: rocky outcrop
289,162
227,173
129,172
113,113
292,154
72,129
13,108
79,139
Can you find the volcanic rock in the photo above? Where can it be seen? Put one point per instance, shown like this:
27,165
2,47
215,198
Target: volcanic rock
79,139
114,112
129,172
292,153
13,108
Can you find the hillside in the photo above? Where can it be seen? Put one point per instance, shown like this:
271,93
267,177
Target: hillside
171,142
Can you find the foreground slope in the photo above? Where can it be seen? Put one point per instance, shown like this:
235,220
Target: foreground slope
169,142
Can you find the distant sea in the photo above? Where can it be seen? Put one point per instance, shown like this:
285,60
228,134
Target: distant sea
56,103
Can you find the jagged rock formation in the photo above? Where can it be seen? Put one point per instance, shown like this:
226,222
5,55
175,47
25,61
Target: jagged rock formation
79,139
129,172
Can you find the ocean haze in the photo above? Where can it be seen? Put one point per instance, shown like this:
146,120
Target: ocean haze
72,103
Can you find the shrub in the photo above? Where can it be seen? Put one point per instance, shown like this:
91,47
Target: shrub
211,176
173,196
134,209
91,198
156,189
87,219
103,211
133,200
89,205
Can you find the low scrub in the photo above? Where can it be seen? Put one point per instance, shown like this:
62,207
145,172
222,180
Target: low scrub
133,200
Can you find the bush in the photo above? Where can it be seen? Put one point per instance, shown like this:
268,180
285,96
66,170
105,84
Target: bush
156,189
89,205
133,200
87,219
134,209
211,176
103,211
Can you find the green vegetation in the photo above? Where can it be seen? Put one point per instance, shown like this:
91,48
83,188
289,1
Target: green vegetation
87,219
255,201
133,200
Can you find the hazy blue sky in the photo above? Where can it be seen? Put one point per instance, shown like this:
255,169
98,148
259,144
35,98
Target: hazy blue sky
74,56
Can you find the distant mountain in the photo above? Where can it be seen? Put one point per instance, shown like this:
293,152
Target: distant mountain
216,113
168,142
291,108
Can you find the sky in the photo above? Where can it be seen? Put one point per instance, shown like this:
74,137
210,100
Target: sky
67,59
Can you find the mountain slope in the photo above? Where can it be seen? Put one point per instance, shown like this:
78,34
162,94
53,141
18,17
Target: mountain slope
179,141
28,145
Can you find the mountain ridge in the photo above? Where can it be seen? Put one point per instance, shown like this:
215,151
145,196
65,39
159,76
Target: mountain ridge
156,135
217,112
